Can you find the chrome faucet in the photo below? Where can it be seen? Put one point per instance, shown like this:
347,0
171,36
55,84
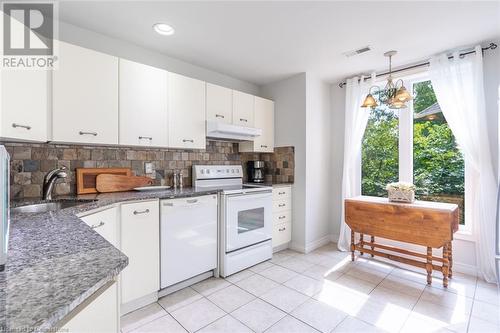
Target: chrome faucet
50,179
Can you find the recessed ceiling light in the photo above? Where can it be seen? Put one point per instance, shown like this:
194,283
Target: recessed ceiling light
164,29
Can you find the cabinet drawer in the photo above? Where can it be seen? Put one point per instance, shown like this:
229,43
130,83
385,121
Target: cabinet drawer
282,192
105,224
282,234
282,217
279,205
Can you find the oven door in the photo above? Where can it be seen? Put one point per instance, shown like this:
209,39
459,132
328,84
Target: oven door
248,219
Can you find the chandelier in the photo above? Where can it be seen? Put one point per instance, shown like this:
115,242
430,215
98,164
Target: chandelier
394,95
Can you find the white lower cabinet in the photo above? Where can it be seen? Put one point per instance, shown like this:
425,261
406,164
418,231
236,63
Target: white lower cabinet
282,215
105,223
140,242
99,314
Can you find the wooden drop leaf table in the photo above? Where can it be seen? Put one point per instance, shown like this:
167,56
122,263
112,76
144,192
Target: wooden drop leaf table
424,223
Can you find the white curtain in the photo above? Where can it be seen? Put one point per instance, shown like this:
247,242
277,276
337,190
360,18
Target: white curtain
356,119
458,83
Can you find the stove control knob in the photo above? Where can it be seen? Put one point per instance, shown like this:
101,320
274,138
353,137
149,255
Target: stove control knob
208,171
202,171
237,170
232,170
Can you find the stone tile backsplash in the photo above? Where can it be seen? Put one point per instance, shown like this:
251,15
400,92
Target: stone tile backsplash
31,161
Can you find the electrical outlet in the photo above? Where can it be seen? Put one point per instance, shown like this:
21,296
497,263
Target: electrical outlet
149,168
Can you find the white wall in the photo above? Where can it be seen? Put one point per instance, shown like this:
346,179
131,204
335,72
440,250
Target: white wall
289,97
318,146
302,118
119,48
464,250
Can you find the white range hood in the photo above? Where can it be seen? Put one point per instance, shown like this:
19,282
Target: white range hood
221,130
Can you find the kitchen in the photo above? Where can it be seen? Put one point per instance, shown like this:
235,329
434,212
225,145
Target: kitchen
153,182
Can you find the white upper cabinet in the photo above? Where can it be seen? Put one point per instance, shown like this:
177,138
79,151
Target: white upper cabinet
85,96
186,109
143,105
219,103
243,109
24,103
264,119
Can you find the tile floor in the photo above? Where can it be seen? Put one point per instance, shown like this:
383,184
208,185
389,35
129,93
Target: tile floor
323,291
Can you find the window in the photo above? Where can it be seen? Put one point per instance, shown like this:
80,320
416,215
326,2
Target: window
414,145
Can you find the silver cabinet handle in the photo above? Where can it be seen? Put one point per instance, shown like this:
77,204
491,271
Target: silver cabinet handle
168,204
21,126
146,137
263,146
95,226
87,133
282,229
219,116
281,205
188,140
137,212
192,200
281,217
280,193
243,119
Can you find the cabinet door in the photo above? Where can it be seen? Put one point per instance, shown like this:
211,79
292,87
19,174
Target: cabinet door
219,103
243,109
101,315
264,119
24,104
140,242
85,96
186,109
143,105
105,223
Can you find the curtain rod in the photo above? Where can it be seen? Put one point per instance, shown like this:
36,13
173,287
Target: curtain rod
492,46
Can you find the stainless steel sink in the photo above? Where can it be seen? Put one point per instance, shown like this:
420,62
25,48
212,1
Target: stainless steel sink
48,206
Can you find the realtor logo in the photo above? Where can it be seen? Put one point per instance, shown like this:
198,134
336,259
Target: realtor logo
28,35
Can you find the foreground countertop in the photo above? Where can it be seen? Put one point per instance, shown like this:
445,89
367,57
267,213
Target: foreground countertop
55,261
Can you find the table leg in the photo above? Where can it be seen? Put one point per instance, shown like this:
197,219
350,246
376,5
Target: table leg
352,245
428,265
445,266
372,241
450,259
361,243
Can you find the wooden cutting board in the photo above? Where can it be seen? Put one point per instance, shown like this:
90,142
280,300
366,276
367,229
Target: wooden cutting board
117,183
86,177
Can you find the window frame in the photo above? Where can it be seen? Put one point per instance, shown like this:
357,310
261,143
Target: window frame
405,143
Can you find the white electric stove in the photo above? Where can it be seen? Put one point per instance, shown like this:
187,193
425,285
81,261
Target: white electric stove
245,216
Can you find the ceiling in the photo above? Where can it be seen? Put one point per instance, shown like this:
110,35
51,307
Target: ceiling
265,41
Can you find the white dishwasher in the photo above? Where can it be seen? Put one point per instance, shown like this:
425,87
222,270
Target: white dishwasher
188,231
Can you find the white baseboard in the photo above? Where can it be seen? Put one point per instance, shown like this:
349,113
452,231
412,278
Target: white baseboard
334,238
311,246
465,269
297,247
138,303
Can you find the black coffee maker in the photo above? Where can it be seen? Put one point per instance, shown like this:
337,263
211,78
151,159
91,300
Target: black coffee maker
255,171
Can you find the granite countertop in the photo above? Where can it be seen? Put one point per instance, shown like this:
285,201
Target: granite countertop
55,261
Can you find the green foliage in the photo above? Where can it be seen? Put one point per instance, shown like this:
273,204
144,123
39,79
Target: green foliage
437,162
380,161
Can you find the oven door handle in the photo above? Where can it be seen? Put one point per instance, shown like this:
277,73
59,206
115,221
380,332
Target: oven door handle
250,193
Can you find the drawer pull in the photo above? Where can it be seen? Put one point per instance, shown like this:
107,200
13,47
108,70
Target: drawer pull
168,204
243,119
137,212
281,217
87,133
281,205
146,137
282,229
188,140
219,116
281,193
191,201
21,126
263,146
95,226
